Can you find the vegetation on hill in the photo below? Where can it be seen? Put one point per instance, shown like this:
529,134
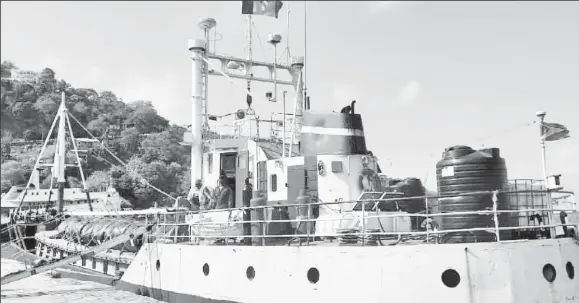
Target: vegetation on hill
133,131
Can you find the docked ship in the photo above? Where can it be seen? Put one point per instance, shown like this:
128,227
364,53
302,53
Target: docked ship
323,222
30,207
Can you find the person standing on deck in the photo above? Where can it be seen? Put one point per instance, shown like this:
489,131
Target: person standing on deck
193,195
223,194
200,195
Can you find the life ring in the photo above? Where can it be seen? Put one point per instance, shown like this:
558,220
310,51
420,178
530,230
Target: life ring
321,168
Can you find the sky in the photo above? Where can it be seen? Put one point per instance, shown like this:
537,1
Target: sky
426,75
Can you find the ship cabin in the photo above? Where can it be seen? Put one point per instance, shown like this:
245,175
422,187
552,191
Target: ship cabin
331,163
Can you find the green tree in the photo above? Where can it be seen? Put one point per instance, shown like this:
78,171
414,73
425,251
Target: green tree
165,146
46,105
6,67
98,126
145,118
73,182
5,184
129,143
12,172
98,181
6,143
149,144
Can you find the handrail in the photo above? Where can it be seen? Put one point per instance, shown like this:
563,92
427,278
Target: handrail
401,214
166,212
196,228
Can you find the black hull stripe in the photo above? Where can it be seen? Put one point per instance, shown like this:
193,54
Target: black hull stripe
165,295
332,120
313,144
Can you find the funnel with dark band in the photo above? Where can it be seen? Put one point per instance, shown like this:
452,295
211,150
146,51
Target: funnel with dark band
332,134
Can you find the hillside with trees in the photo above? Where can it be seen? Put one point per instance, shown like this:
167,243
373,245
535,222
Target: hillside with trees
133,131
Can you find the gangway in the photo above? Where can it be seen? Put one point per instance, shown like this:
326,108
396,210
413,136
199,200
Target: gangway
13,277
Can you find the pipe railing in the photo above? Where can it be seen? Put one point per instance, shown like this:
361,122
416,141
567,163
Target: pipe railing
220,226
164,212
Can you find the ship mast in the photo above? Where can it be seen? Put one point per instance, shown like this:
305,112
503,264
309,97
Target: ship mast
59,167
200,70
200,88
197,48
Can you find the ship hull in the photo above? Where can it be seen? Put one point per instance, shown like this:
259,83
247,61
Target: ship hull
487,273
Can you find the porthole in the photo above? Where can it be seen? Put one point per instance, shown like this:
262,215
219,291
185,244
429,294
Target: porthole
450,278
549,272
570,270
250,273
313,275
158,265
206,269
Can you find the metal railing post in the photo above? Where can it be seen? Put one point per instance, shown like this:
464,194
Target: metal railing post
427,218
309,224
264,212
496,216
364,222
199,224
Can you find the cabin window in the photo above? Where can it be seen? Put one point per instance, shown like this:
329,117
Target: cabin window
210,163
273,183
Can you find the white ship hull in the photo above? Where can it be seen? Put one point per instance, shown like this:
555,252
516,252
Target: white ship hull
509,272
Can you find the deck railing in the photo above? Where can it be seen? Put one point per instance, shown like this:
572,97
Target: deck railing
193,226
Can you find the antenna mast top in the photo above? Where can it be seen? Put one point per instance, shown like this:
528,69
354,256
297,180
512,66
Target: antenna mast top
541,114
206,23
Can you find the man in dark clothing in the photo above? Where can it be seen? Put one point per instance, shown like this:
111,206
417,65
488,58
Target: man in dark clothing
223,194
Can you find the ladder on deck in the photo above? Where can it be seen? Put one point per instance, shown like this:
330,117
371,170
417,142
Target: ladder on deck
71,259
18,238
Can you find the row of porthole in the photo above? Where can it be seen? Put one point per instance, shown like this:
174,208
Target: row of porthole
451,278
313,273
550,273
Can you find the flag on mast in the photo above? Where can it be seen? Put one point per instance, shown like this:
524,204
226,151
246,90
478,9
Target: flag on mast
263,8
553,131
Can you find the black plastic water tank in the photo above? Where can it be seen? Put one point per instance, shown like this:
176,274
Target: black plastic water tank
464,170
411,187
